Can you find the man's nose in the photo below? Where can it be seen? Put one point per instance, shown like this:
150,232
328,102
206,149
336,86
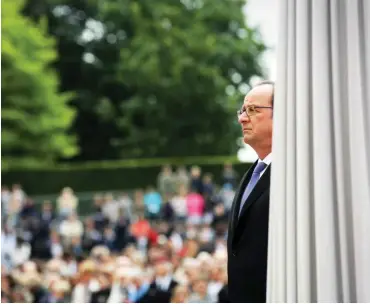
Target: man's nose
243,118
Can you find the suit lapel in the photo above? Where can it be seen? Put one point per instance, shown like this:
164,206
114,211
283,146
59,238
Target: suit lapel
237,199
261,186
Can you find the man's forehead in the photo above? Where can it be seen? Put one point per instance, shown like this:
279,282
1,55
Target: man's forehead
260,94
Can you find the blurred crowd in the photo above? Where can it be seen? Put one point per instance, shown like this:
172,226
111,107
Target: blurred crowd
166,243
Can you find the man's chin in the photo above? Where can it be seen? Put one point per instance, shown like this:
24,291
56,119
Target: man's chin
247,139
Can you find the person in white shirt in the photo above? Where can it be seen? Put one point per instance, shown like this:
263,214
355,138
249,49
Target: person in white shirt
8,246
21,253
71,228
178,203
67,202
111,208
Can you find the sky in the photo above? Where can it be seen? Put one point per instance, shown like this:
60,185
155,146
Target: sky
264,14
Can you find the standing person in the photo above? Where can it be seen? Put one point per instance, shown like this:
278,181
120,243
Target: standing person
208,191
182,178
195,205
67,203
166,181
152,203
229,175
179,204
163,284
248,223
196,179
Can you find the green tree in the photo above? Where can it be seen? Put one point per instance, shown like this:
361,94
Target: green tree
35,117
181,58
153,78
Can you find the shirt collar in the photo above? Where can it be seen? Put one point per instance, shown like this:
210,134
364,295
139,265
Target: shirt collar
164,281
267,160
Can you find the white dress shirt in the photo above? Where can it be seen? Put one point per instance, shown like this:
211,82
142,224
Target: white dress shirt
267,160
164,282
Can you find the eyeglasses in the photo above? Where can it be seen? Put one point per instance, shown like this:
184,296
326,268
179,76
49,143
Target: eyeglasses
250,110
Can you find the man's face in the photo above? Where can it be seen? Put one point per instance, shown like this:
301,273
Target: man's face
201,287
257,128
161,269
47,207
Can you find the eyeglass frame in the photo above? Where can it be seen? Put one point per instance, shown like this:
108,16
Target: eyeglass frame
241,111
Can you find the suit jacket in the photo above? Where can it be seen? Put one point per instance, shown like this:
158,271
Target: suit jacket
100,296
247,241
223,296
156,295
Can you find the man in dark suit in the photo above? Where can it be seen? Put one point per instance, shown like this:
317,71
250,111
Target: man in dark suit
161,288
248,221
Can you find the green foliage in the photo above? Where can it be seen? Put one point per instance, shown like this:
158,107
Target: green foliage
111,175
136,163
179,60
151,77
35,116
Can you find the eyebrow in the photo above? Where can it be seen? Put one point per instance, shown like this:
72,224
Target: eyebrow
254,105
